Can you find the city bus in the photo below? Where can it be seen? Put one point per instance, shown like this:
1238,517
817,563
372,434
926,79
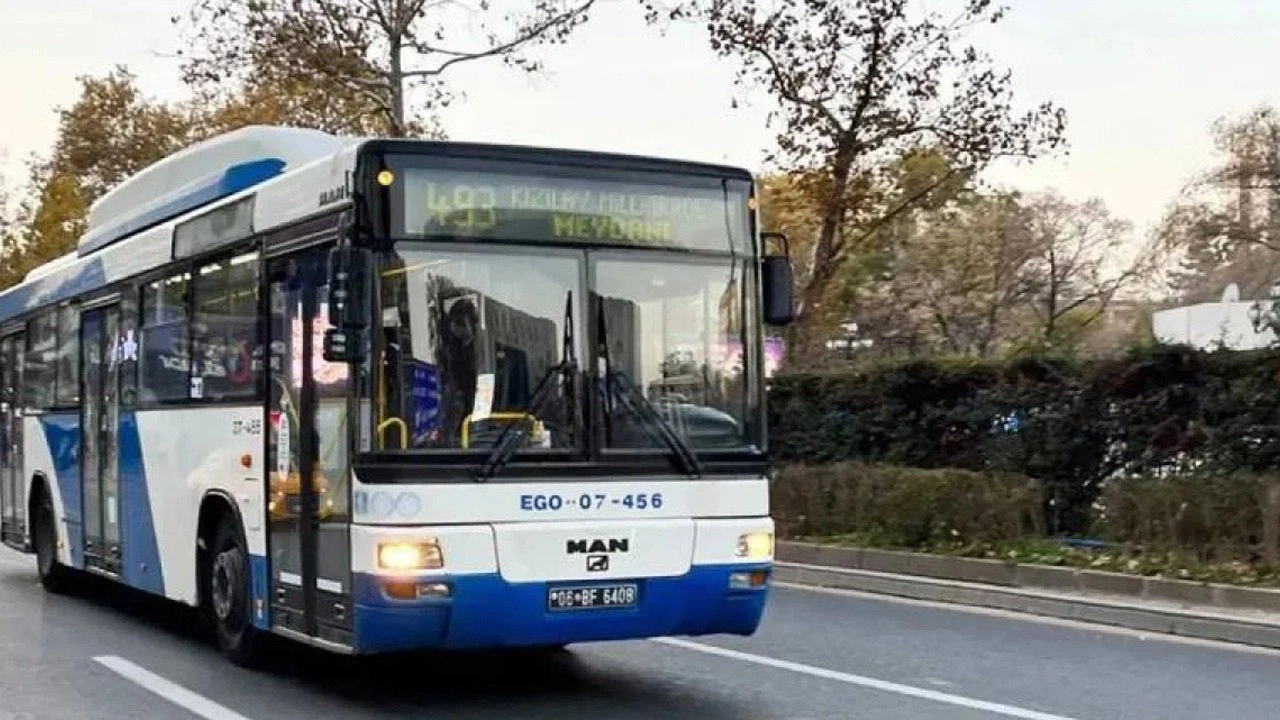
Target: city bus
378,395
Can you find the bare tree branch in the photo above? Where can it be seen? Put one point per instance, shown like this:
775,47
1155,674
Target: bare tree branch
372,49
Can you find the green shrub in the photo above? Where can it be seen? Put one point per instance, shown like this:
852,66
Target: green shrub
905,507
1074,426
1209,518
1215,528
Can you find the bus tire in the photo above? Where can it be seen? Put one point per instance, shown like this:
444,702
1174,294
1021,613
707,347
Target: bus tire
54,576
228,604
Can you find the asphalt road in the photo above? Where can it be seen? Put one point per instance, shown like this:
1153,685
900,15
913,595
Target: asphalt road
112,654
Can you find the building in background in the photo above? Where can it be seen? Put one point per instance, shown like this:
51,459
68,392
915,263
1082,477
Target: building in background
1230,323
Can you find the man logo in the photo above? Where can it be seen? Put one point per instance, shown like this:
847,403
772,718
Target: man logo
596,545
597,563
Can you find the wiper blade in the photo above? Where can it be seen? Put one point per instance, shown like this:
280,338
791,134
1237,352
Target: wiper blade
643,408
681,454
505,446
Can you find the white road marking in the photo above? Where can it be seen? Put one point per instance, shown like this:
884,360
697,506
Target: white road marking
1003,614
851,679
174,693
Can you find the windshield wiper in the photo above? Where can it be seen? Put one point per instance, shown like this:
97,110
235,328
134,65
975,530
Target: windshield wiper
505,446
635,401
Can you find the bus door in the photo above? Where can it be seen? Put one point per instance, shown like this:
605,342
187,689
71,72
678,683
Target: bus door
13,504
99,420
309,495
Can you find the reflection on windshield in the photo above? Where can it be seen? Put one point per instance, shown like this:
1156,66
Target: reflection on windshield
468,336
675,331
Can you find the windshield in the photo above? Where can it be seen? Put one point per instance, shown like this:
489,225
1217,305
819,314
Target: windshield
467,338
476,340
675,332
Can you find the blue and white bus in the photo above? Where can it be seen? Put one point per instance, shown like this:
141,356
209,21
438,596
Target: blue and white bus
378,395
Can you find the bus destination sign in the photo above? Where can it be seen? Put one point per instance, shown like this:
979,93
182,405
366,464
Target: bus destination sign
570,210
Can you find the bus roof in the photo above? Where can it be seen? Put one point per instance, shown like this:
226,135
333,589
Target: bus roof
199,175
290,174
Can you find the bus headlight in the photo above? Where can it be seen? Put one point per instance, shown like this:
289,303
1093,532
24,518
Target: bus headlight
755,546
401,556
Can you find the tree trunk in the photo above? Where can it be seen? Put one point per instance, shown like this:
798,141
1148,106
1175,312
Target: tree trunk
396,66
801,338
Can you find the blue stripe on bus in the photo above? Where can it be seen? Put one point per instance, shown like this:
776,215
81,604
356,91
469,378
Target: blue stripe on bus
214,187
52,289
258,590
62,433
140,550
139,547
485,610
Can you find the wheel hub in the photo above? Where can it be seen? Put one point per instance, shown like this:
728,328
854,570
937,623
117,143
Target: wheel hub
226,584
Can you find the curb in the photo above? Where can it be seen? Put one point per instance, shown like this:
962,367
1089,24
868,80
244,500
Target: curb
1044,577
1260,632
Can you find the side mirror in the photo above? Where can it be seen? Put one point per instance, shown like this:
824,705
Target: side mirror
348,303
777,278
348,299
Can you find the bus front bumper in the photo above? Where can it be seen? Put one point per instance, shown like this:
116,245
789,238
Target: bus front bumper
486,611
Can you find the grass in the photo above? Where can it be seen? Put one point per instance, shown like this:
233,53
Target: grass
1176,564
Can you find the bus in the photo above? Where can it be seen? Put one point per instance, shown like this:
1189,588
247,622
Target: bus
378,395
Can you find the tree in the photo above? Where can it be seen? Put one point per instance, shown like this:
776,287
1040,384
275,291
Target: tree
958,280
1251,145
13,222
1076,268
860,82
787,207
267,92
373,49
110,132
1225,223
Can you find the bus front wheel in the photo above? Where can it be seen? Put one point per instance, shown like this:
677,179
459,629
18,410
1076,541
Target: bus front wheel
229,597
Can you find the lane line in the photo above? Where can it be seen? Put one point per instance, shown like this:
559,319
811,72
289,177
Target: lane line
174,693
863,681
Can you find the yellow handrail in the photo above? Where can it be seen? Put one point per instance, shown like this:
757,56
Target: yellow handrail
466,423
404,430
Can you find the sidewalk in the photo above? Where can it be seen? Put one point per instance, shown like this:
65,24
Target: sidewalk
1249,616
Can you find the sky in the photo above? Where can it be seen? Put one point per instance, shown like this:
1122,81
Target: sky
1142,81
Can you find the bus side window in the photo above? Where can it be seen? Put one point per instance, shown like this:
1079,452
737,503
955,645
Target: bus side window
164,353
40,376
68,354
127,347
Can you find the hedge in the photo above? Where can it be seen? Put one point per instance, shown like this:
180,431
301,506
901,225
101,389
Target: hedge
1073,426
1217,527
904,507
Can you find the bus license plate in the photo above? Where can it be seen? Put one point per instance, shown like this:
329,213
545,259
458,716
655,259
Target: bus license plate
621,595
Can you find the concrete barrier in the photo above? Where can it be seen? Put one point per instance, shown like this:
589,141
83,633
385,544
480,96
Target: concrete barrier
1227,613
1254,629
1005,574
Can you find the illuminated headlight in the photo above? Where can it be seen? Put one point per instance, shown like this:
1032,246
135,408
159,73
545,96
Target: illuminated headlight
423,555
755,546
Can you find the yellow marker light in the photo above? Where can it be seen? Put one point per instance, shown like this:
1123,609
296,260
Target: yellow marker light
386,177
755,546
424,555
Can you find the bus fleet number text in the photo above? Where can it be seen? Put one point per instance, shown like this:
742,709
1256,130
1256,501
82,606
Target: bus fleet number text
590,501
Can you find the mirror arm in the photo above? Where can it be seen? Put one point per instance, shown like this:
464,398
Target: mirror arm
348,300
782,239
